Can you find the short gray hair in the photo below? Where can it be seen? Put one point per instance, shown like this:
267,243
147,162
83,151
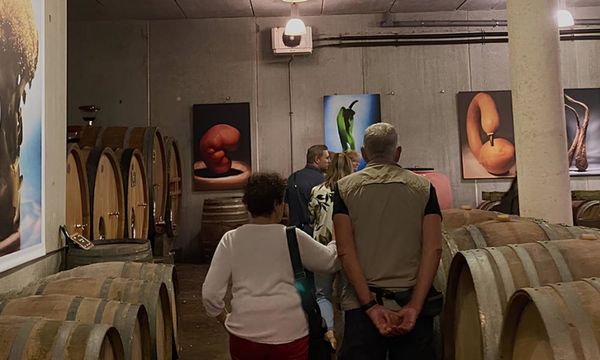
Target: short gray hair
380,140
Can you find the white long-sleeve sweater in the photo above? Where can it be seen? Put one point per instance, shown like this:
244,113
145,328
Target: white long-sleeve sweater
266,306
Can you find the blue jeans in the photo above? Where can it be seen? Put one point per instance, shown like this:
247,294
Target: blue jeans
324,287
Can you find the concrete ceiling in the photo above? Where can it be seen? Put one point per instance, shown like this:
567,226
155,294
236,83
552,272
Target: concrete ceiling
197,9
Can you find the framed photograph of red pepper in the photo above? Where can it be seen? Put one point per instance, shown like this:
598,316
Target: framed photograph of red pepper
221,146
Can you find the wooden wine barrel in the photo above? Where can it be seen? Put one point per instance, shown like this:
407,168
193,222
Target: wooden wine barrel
110,250
560,321
175,188
130,320
480,283
220,215
149,141
153,295
106,194
135,186
39,338
455,218
586,213
77,218
133,270
504,230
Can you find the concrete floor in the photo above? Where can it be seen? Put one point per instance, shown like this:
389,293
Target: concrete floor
202,338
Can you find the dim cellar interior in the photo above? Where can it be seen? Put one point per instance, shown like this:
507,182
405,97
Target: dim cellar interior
130,129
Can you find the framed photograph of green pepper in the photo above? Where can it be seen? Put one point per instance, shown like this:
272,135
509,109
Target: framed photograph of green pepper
345,119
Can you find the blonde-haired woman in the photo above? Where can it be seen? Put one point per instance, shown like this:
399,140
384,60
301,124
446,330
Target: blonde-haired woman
321,212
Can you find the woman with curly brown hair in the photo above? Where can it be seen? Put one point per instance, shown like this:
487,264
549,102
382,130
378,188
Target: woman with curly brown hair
266,319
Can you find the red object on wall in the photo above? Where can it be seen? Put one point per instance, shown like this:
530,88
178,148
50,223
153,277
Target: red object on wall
441,184
214,143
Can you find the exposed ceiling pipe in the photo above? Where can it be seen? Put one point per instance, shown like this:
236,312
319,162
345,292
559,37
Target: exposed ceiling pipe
464,23
438,36
400,41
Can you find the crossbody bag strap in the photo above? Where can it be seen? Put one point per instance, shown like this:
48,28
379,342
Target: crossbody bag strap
292,241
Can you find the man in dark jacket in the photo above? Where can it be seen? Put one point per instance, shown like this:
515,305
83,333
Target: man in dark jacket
300,184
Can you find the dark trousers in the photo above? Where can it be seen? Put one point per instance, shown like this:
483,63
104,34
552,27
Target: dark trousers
363,342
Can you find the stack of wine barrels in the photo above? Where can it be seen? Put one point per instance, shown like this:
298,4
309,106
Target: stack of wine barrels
123,188
111,310
513,288
585,204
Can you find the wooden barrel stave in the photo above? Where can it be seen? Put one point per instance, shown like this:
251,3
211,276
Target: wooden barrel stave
77,199
106,194
130,320
135,185
175,186
153,295
39,338
133,270
481,281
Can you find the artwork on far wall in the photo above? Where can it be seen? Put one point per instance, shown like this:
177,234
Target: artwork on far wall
221,146
582,114
21,132
490,112
481,113
345,119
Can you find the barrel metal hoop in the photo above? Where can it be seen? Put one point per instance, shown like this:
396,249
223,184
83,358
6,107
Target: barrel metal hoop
585,207
450,242
504,271
548,230
489,300
60,343
100,311
16,352
477,236
132,312
106,287
73,308
593,282
96,338
559,260
528,264
583,323
41,288
2,305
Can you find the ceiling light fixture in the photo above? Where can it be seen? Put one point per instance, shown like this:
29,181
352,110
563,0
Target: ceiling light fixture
565,19
295,26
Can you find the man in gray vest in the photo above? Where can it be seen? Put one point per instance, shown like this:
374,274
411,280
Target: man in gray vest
388,229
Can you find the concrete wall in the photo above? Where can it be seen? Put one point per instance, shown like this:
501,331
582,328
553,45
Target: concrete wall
55,167
180,63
